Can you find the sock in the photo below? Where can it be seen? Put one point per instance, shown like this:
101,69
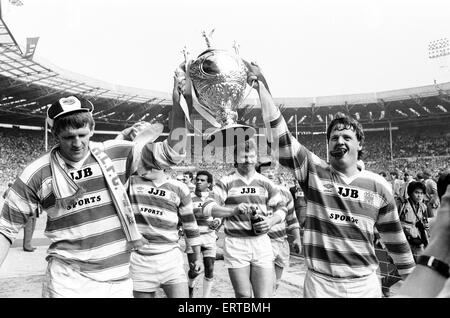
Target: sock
275,289
207,286
192,282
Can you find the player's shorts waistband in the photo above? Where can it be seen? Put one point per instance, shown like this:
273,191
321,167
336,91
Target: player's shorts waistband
337,278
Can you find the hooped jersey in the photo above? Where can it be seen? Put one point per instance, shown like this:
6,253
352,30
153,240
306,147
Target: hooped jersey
87,235
158,208
341,213
235,189
202,220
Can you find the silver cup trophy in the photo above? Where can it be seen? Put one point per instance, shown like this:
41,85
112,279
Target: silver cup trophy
219,80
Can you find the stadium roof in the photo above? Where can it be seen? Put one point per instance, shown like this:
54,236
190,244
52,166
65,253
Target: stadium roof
29,85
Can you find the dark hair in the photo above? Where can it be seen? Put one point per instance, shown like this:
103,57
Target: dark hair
394,173
419,176
443,182
382,173
207,174
413,185
342,122
189,173
73,120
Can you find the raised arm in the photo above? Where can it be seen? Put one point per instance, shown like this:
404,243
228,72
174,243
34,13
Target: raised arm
270,111
289,152
177,138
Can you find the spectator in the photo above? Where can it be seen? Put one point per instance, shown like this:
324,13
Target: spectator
430,277
413,215
407,178
431,195
396,185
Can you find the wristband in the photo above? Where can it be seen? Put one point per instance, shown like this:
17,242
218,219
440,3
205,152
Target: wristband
437,265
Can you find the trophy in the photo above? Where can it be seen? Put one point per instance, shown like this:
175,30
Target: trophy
219,80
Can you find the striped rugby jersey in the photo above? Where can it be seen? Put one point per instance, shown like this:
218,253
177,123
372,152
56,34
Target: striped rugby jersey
202,220
235,189
341,213
88,234
157,209
279,231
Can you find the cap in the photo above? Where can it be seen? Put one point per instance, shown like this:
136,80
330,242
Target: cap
67,105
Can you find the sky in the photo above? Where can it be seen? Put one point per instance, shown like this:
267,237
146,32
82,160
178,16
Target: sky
305,48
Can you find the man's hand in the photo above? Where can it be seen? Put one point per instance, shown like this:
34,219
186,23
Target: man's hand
262,226
130,133
297,245
196,267
180,85
254,75
135,245
214,224
242,208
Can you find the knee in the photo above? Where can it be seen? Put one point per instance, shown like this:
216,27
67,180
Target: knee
242,294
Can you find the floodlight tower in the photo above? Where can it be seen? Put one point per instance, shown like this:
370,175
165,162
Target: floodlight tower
439,51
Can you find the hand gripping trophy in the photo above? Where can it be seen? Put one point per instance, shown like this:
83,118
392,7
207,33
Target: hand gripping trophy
219,80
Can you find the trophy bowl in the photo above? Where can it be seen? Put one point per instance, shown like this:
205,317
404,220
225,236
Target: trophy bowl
219,79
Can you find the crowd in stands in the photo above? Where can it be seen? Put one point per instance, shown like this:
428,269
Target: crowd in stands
19,147
413,150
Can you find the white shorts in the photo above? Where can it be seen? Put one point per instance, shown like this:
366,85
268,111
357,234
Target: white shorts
62,281
281,253
149,272
245,251
321,286
208,245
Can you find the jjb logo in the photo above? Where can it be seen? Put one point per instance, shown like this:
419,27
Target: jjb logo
159,192
348,192
86,172
248,190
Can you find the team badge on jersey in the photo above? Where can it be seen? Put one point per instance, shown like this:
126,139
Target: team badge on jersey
369,198
198,204
173,197
328,188
140,189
